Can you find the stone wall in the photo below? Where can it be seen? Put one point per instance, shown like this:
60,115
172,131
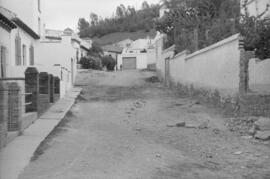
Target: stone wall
15,107
22,99
3,114
253,104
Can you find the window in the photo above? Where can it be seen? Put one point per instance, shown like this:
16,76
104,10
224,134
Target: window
18,51
39,9
3,62
32,55
39,26
24,54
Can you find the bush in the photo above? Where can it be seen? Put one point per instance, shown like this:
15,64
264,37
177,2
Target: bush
108,62
90,63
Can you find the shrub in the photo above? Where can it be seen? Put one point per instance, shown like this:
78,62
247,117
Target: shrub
108,62
90,63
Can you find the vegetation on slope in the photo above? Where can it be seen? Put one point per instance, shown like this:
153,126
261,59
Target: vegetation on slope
127,19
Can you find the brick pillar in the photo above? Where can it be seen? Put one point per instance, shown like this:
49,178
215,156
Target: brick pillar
3,114
44,89
51,88
57,87
32,86
245,56
15,107
44,83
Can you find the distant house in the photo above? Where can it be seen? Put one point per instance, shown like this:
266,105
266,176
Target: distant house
257,7
138,55
124,43
6,26
30,12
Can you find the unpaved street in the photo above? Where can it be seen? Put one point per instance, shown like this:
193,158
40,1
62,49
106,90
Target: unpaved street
124,127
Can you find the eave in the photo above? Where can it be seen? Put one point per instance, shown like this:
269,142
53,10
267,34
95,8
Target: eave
84,48
6,23
27,29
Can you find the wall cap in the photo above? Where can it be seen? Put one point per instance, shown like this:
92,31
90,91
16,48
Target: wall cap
216,45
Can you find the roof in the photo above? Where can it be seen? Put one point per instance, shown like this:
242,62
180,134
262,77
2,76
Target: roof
11,16
112,48
6,23
53,38
83,47
26,28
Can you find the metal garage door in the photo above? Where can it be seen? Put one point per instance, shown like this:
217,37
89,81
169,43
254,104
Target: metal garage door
129,63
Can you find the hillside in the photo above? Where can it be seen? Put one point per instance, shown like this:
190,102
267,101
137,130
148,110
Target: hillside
119,36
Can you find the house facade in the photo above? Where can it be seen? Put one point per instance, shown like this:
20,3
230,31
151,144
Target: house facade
138,55
30,12
23,41
6,26
257,7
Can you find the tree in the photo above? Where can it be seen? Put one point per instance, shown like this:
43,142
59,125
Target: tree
108,62
195,24
145,5
83,24
95,50
121,11
94,19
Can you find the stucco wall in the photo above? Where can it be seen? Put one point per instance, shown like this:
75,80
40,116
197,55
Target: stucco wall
5,41
59,53
259,75
51,53
26,40
256,7
215,67
151,57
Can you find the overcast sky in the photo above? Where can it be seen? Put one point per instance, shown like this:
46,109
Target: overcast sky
60,14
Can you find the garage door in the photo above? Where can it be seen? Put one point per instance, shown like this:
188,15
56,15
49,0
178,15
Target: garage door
129,63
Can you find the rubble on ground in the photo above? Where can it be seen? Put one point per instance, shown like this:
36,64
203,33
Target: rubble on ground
152,79
257,127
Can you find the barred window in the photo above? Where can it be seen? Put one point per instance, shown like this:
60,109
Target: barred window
18,51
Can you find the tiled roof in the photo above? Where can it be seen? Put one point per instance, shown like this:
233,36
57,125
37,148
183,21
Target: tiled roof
6,23
27,29
112,48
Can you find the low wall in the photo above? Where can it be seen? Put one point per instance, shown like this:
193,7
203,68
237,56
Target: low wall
213,68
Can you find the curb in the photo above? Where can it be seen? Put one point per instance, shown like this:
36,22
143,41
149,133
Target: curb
18,154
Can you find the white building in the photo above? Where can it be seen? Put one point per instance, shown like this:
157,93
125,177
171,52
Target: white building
29,11
257,7
23,41
138,55
5,43
31,46
124,43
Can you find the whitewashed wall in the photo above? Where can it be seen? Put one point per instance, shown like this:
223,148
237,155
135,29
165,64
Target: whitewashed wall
151,57
26,40
59,53
5,41
256,7
259,75
215,67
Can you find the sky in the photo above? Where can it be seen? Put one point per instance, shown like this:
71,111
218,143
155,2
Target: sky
60,14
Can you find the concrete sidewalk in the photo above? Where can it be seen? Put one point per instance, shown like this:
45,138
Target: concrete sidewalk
17,154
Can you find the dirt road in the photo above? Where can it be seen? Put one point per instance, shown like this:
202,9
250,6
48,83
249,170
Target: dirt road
124,127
